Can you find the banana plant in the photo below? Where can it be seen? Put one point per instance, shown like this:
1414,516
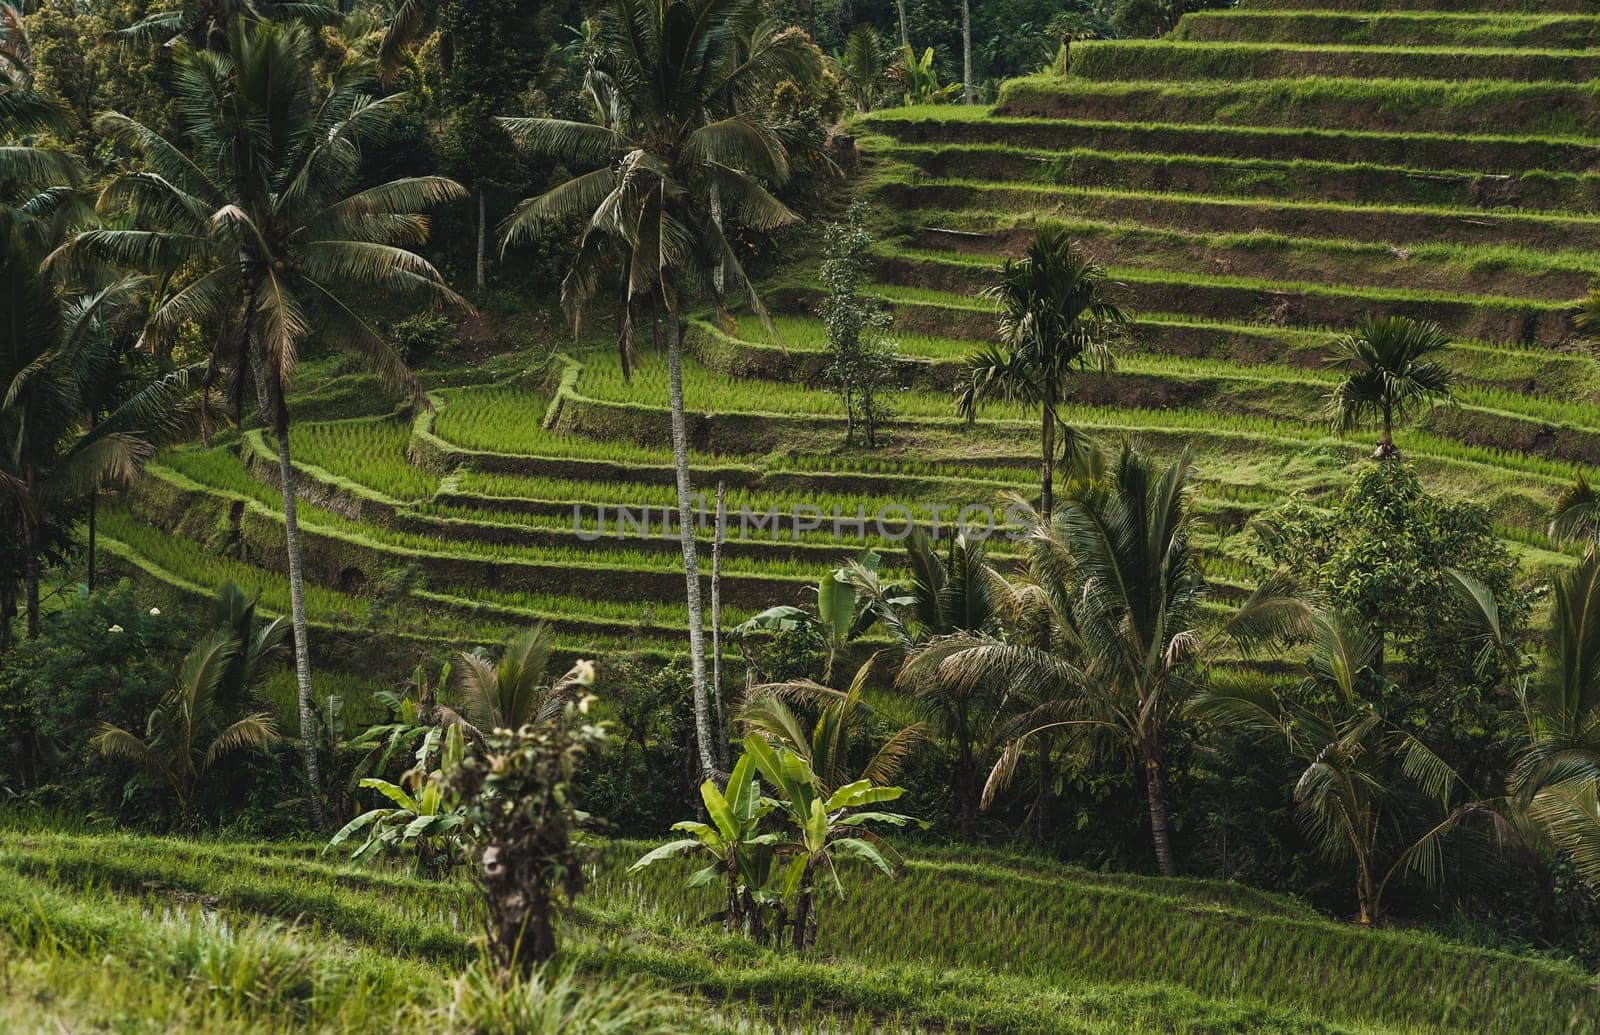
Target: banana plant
919,80
828,829
424,818
842,612
739,854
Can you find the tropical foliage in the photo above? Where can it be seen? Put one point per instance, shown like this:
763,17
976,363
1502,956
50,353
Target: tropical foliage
259,230
201,719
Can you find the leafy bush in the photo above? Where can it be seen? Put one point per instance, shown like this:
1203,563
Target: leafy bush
106,656
423,337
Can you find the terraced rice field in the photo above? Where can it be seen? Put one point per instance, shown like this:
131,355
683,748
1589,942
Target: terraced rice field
204,936
1263,178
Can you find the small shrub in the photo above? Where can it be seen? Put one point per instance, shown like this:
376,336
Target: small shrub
423,337
519,798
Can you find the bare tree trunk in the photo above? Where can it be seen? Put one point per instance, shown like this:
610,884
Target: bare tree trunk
8,613
1366,889
481,246
297,596
30,576
905,39
968,94
1047,463
94,511
716,625
691,560
1160,824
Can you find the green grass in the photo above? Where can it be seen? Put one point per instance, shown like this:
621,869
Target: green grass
1226,176
1484,106
1165,60
965,939
1410,28
1397,224
1511,153
1437,266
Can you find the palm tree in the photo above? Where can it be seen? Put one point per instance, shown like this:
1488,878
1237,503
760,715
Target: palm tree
262,644
682,152
1124,648
958,594
61,438
257,213
515,692
1555,781
1360,766
835,743
1576,515
205,23
1056,315
1391,367
863,67
185,735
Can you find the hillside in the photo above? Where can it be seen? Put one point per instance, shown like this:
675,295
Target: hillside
205,934
1266,176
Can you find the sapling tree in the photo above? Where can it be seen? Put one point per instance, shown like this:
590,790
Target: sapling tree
519,798
865,362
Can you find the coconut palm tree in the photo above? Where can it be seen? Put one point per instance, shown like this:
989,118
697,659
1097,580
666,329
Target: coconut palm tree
187,732
681,154
1056,315
1391,368
1126,641
515,691
957,594
409,21
259,218
1361,768
1576,515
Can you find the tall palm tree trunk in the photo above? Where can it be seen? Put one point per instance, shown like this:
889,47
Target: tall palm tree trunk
1160,823
691,560
716,624
905,38
482,248
297,593
968,94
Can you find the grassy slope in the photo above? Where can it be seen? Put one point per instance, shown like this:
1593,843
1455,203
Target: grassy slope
969,939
